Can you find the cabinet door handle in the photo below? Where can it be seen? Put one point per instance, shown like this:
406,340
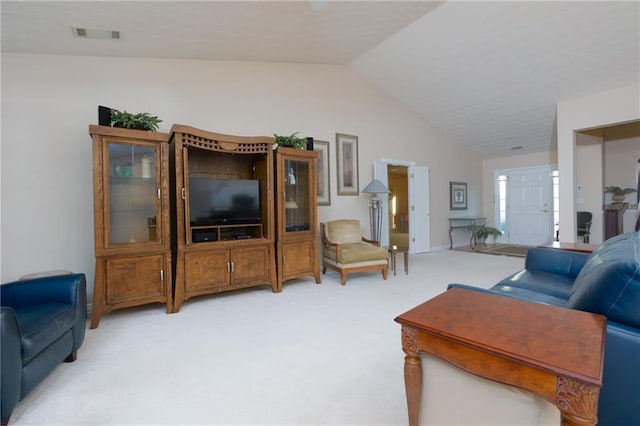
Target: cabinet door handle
184,194
158,193
228,266
232,267
161,275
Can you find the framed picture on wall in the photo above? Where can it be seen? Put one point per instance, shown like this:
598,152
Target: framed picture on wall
347,166
322,173
458,195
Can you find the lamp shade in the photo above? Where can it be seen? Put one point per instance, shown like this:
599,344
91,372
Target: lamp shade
375,187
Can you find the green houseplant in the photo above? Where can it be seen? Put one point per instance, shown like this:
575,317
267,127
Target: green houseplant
485,232
291,141
140,121
618,193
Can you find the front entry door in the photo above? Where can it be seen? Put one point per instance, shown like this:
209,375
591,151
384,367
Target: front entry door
530,206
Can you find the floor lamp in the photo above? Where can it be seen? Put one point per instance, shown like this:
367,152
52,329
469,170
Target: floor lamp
375,187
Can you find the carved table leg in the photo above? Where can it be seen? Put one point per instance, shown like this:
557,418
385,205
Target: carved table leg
412,374
577,402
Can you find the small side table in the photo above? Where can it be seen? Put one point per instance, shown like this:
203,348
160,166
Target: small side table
393,250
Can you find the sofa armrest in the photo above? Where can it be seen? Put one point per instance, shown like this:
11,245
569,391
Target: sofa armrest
59,289
67,289
561,262
372,242
10,361
620,394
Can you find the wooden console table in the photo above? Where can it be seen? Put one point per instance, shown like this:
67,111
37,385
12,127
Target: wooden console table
556,353
471,223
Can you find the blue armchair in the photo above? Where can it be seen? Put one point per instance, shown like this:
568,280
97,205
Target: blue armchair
43,323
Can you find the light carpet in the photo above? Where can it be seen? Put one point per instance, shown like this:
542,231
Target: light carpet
311,355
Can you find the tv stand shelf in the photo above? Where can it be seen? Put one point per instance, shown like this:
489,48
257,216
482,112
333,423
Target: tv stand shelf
211,257
211,233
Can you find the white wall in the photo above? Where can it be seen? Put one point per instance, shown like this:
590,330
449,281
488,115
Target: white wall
598,110
48,102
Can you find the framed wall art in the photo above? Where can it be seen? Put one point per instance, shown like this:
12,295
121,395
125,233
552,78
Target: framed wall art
458,195
322,173
347,165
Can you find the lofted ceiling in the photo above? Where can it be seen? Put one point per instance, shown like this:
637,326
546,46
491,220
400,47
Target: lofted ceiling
488,75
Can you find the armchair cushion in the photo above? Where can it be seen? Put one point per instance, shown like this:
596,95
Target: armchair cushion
356,252
344,231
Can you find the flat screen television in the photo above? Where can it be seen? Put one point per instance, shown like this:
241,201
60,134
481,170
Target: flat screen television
223,201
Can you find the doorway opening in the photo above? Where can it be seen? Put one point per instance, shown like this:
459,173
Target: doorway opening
398,205
416,187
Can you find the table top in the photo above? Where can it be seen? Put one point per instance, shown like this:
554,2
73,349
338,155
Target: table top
560,340
581,247
467,218
396,248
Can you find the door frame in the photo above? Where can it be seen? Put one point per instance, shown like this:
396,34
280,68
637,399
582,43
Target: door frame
496,197
380,172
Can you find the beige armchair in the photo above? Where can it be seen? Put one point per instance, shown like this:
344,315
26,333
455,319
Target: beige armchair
345,250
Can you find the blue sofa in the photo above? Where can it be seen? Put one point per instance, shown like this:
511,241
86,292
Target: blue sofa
43,321
605,282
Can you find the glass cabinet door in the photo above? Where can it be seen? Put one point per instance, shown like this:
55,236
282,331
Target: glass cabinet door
296,195
133,193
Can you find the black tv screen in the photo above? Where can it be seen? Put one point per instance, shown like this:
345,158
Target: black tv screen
223,201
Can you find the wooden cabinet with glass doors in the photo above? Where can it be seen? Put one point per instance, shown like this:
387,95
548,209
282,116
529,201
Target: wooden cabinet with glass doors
131,219
222,212
296,223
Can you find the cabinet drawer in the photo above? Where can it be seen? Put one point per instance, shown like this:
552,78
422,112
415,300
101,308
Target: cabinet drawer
135,278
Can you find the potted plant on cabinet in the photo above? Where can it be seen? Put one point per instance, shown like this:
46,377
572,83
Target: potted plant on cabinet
485,232
140,121
291,141
618,193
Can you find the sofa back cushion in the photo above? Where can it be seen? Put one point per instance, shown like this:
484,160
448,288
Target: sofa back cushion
609,282
344,231
561,262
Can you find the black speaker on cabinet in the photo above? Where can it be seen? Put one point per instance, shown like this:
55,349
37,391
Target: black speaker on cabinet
104,115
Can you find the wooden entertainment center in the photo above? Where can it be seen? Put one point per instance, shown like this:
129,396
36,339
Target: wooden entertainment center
193,212
237,255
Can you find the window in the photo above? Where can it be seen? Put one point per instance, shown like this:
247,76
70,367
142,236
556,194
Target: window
502,203
555,181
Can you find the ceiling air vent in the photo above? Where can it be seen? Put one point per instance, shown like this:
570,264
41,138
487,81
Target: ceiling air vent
95,33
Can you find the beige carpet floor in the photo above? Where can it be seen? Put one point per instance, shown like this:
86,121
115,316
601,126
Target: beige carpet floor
311,355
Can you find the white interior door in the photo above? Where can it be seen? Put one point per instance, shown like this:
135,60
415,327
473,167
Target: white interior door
380,173
419,213
530,207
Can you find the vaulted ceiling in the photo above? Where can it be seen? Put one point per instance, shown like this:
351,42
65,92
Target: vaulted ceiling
486,74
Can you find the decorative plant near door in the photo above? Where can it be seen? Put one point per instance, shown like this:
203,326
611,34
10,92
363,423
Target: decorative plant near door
485,232
618,193
140,121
